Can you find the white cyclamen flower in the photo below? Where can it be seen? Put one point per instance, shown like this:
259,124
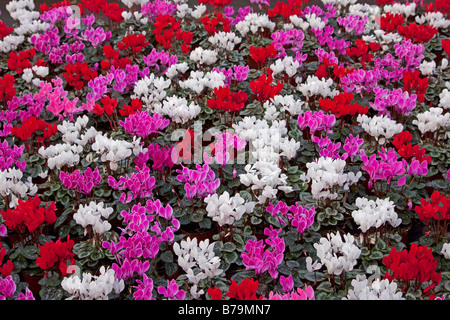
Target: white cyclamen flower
92,287
336,254
375,213
226,209
377,290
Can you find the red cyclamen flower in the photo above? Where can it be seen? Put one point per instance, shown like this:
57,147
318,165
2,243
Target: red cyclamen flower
246,290
56,254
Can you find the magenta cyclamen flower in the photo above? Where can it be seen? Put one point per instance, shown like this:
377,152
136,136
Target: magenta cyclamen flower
160,60
327,148
141,237
154,8
386,168
287,283
316,121
9,156
143,124
144,289
400,101
81,182
351,146
200,182
299,294
140,183
287,39
28,295
7,288
257,257
353,23
298,216
361,80
280,207
161,157
3,231
240,73
96,36
416,167
301,218
172,292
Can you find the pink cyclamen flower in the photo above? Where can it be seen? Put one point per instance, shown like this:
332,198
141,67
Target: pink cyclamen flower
287,283
144,289
143,124
172,292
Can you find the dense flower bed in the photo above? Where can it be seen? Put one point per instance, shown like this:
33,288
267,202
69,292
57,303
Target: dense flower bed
156,150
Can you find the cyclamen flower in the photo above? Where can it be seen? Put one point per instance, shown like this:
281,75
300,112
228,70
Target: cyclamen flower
416,266
5,267
400,101
261,258
92,287
178,109
142,124
374,214
140,183
92,215
81,182
263,87
172,292
226,209
56,254
386,168
161,157
353,23
29,214
199,257
377,290
144,289
352,146
336,254
446,250
380,127
227,100
200,182
224,148
325,174
246,290
432,120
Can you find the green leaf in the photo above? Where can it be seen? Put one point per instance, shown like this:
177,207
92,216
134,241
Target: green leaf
255,220
167,256
65,200
170,268
381,245
55,187
293,170
246,195
20,262
426,241
365,251
238,239
97,255
292,264
229,247
51,293
30,252
376,255
197,215
230,257
205,223
325,287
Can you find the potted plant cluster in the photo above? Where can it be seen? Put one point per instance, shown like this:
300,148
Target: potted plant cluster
159,150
